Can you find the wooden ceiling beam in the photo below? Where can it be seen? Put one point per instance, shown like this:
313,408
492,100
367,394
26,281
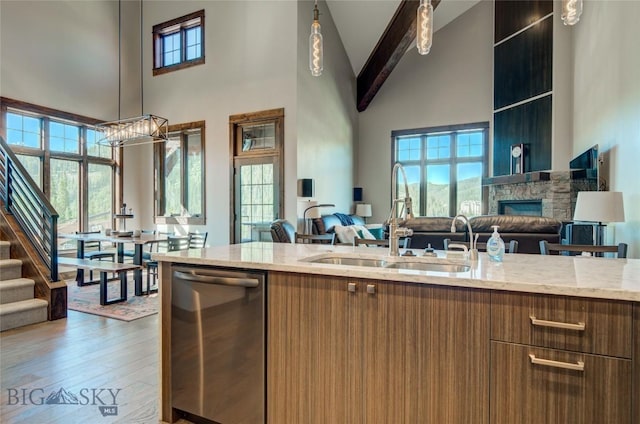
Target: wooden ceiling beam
394,42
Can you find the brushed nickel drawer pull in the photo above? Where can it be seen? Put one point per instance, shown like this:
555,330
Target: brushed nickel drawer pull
578,366
555,324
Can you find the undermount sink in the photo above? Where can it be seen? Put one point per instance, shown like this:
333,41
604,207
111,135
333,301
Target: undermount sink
345,260
431,264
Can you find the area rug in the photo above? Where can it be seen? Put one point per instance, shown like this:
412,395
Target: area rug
87,299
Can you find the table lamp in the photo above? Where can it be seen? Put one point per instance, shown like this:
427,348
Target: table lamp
363,210
600,207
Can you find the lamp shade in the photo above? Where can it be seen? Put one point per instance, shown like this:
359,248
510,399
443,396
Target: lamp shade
599,206
363,210
311,210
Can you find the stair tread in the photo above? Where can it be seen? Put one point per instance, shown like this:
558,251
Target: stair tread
10,262
23,305
16,282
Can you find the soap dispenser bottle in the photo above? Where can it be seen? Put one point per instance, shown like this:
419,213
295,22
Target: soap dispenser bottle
495,246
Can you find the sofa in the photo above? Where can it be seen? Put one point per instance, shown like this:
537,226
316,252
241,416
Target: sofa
527,230
325,223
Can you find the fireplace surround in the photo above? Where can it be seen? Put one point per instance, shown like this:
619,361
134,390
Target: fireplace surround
554,191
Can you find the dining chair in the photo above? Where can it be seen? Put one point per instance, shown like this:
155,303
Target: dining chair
174,244
93,250
546,248
511,247
162,246
197,240
315,238
403,242
146,255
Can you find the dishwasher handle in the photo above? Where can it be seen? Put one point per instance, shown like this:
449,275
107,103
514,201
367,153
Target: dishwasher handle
219,280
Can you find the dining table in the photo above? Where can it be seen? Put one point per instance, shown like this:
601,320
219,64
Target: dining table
119,240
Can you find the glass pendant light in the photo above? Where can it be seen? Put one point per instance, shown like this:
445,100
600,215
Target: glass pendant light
571,11
315,45
424,34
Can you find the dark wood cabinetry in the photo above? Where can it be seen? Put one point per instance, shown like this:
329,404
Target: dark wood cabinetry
354,351
559,359
526,393
365,351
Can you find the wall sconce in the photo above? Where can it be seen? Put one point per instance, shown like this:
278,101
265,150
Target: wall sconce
357,194
305,187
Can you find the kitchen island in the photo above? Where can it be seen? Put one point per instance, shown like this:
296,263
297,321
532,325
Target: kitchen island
532,339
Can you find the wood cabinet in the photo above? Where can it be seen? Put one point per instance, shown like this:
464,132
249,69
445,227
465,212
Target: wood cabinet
343,350
558,359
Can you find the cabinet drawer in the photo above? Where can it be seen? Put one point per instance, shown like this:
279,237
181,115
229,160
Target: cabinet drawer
562,322
523,392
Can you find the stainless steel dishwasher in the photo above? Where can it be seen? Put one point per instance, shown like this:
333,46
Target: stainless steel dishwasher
218,344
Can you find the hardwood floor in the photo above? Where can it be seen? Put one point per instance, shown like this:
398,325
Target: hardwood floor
81,355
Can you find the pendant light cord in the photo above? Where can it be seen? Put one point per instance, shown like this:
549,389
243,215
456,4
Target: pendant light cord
119,58
141,60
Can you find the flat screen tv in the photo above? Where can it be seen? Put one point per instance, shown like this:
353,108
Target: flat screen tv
586,165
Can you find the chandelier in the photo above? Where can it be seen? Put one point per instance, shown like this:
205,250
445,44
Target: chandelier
132,131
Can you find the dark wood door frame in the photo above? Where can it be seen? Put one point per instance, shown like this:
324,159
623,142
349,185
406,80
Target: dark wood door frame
235,122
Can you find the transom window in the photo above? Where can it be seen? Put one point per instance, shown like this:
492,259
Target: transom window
178,43
444,168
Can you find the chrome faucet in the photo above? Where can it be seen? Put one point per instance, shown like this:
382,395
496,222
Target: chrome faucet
395,232
473,246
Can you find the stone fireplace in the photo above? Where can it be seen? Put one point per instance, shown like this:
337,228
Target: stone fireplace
520,207
549,194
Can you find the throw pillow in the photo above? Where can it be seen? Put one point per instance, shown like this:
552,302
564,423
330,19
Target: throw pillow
318,226
345,234
363,232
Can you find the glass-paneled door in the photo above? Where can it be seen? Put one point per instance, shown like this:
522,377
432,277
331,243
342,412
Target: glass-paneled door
256,198
257,141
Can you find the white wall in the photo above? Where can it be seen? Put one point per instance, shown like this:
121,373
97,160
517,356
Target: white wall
249,67
453,84
606,97
327,116
61,54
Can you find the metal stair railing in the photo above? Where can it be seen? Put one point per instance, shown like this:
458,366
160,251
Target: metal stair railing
32,210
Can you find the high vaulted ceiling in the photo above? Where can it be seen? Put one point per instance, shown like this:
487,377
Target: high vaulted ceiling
361,23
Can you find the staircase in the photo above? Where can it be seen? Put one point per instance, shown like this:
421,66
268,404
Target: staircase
18,306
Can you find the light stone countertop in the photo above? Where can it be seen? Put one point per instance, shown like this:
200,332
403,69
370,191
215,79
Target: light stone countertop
603,278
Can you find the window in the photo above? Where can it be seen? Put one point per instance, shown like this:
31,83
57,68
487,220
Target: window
178,43
444,168
60,153
179,168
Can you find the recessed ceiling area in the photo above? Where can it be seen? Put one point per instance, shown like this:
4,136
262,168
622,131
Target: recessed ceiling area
361,23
